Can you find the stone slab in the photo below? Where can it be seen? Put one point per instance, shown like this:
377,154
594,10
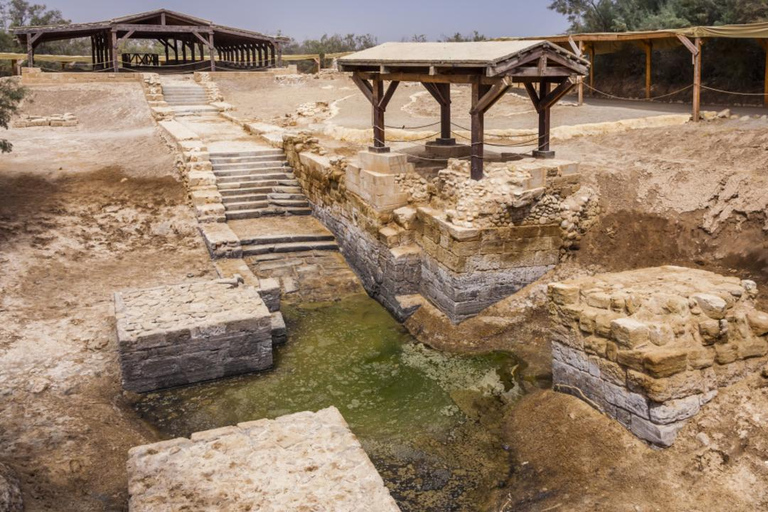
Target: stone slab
177,335
304,461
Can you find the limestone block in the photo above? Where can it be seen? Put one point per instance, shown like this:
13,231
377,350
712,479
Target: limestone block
676,410
279,331
383,163
199,179
662,435
211,213
712,305
271,292
280,465
200,197
629,333
563,294
221,241
758,321
176,335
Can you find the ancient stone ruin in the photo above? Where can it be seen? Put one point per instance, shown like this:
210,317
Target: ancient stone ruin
651,347
27,121
304,461
460,244
176,335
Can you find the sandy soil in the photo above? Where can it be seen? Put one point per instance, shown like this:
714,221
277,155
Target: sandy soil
85,211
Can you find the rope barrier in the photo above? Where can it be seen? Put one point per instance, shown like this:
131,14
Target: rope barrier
411,127
735,93
613,96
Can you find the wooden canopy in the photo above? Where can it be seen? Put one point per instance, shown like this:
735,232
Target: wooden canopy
180,34
491,68
692,38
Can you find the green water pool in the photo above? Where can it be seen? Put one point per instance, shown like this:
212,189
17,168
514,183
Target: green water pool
429,421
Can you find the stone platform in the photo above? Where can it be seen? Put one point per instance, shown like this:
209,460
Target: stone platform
176,335
305,461
651,347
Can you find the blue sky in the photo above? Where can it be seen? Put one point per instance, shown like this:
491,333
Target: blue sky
389,20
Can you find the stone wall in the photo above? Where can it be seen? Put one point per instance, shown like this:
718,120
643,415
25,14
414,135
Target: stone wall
404,241
304,461
176,335
36,76
651,347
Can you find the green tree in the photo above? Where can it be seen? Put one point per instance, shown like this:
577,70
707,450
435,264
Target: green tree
11,95
461,38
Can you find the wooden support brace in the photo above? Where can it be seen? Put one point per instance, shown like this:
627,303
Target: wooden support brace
364,86
553,97
492,96
388,95
126,36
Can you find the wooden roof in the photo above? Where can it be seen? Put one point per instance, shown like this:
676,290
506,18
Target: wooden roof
145,25
486,58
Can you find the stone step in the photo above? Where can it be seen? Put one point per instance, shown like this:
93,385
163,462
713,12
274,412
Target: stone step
286,238
252,173
301,203
235,185
255,250
250,165
259,190
256,152
281,196
246,205
266,212
240,198
253,179
247,159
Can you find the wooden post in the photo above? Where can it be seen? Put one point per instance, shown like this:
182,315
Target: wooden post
184,51
697,82
279,55
274,57
30,52
192,51
648,45
764,44
212,51
167,55
592,69
581,78
115,66
445,114
478,131
379,134
542,147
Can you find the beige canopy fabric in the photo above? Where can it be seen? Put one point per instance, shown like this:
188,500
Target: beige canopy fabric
610,42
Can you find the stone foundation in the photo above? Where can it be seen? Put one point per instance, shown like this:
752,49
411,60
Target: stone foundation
433,246
54,121
651,347
304,461
177,335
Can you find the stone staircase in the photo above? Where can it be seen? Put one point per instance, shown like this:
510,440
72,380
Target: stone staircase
257,183
278,244
187,98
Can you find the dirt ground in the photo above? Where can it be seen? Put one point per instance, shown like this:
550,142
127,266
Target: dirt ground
85,211
88,210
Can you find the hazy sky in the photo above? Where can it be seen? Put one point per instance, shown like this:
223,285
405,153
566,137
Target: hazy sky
389,20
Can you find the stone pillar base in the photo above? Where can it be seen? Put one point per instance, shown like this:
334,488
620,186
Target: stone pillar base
439,149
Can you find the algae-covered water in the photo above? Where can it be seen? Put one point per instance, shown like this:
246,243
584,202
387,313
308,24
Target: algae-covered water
430,422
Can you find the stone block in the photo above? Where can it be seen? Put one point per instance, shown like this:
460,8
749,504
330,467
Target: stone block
662,435
629,333
221,241
279,331
271,293
280,465
436,150
665,363
384,163
176,335
711,305
673,411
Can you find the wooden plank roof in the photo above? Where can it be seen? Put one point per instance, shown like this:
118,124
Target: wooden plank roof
145,25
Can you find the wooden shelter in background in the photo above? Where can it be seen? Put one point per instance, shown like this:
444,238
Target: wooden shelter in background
547,71
189,43
692,38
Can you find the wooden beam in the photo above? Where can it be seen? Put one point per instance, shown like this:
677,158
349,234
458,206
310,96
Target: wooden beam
576,48
114,52
388,95
534,95
648,46
478,131
205,41
581,78
490,98
126,36
379,134
542,146
764,44
436,92
212,50
592,70
697,82
553,97
693,48
364,86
